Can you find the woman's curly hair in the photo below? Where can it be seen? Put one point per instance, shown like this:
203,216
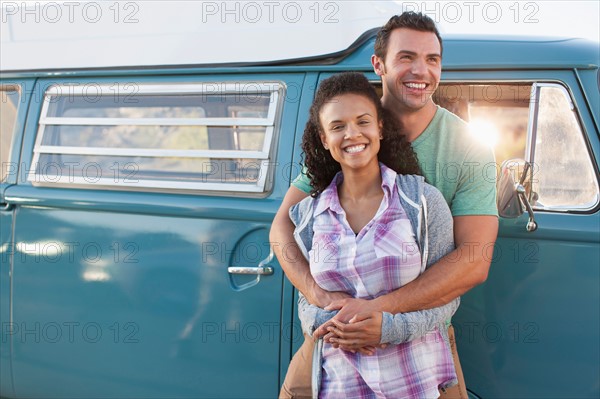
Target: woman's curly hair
395,152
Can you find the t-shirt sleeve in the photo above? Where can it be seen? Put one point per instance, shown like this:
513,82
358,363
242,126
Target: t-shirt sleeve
476,191
302,182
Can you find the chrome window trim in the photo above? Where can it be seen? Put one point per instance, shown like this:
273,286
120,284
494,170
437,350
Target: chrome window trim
150,152
119,88
155,121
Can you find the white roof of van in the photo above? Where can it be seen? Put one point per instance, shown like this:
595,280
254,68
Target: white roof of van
91,34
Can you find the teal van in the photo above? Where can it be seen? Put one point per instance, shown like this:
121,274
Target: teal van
136,203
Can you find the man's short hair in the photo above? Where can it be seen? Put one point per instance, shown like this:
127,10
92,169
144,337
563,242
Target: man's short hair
409,20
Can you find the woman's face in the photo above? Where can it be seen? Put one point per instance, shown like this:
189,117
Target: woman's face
351,130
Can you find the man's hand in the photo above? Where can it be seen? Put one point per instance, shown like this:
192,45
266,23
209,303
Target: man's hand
350,307
352,310
362,332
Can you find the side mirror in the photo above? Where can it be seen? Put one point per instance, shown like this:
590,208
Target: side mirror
514,191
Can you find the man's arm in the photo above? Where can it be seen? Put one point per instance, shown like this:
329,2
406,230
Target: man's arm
450,277
379,327
290,257
454,274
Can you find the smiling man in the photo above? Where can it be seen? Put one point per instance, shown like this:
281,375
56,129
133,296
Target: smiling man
408,58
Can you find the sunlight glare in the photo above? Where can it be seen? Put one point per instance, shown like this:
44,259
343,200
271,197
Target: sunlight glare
485,132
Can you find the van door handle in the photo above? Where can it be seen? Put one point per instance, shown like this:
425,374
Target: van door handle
263,271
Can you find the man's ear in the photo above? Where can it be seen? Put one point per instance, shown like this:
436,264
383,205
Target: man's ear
378,65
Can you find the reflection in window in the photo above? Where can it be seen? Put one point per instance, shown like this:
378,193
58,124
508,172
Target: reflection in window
563,172
9,102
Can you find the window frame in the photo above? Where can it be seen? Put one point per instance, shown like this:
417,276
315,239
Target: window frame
536,88
271,123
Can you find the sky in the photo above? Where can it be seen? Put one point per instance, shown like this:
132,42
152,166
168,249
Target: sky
540,18
71,34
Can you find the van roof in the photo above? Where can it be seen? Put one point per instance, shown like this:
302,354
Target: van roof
493,52
505,52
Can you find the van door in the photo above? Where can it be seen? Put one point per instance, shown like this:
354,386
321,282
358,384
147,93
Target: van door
532,329
14,98
142,264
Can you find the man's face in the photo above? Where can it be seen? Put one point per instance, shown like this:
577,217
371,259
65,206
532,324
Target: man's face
412,68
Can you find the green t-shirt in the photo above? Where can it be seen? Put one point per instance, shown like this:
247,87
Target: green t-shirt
452,161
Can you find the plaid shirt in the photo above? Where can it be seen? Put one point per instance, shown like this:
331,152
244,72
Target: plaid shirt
382,257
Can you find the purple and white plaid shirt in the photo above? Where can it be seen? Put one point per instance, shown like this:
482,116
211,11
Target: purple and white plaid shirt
380,259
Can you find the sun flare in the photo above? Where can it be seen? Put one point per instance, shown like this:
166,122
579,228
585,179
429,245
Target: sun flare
485,132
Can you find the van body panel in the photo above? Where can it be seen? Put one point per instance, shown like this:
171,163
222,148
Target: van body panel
6,381
542,292
589,81
125,292
12,137
519,323
127,285
146,269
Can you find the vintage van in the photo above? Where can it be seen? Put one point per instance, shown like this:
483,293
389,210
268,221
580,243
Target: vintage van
137,197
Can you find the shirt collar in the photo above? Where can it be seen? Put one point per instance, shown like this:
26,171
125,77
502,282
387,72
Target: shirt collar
388,181
329,199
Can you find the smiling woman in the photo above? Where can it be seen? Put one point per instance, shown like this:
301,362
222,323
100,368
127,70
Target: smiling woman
351,132
328,119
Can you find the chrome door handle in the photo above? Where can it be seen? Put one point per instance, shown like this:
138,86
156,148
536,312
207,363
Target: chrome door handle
263,271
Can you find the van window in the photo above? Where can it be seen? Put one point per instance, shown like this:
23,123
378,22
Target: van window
9,102
203,136
563,173
500,115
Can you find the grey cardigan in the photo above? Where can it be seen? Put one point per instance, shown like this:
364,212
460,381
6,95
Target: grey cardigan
432,225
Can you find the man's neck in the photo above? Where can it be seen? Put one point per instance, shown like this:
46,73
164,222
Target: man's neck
412,122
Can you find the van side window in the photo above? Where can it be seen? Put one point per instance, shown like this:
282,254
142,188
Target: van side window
9,103
502,114
497,113
193,136
563,173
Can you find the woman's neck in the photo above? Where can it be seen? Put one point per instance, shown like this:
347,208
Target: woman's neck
360,196
360,184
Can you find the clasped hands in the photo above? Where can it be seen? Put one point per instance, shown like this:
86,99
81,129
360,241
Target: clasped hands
356,327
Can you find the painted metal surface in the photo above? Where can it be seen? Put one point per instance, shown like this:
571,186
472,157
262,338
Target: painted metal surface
128,294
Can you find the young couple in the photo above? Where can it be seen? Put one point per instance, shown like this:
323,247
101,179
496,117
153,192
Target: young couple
387,252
